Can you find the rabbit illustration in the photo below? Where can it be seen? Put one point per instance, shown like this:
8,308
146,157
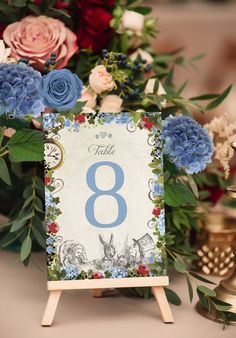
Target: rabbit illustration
109,249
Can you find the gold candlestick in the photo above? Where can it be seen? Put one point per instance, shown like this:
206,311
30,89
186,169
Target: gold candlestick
226,290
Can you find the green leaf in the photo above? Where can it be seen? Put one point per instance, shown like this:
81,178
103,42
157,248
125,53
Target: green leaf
4,173
21,220
40,239
190,289
203,299
206,291
142,10
204,97
26,145
78,107
18,3
180,266
219,99
172,297
35,9
202,279
220,305
1,134
178,194
9,238
25,248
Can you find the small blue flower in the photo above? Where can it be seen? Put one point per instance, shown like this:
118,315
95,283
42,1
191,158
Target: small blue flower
49,240
157,189
71,272
60,89
49,120
19,90
48,198
161,222
117,272
187,143
50,249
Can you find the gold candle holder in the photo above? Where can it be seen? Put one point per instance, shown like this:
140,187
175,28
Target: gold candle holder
226,290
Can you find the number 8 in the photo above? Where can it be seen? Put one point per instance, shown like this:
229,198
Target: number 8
122,207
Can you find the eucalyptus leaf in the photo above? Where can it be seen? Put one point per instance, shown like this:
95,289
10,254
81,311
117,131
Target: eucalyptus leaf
180,266
190,289
206,291
172,297
219,99
25,248
4,173
199,277
40,239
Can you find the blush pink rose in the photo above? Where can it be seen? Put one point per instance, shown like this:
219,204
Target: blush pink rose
35,38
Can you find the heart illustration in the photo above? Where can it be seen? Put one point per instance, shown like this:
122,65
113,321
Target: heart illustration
103,134
97,136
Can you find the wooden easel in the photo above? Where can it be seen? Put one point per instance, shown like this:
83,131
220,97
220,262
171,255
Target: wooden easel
97,285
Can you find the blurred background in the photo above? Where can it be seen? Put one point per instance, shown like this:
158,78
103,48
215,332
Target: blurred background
201,26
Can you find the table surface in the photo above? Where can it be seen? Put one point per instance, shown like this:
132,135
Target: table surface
23,297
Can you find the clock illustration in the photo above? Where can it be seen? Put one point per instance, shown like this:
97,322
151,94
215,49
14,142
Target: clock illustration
53,154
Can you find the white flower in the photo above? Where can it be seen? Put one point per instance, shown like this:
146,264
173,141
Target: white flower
4,52
150,87
111,104
87,110
90,96
133,22
144,55
100,80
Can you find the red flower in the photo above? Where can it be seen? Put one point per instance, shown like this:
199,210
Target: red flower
2,27
94,31
146,123
105,3
47,180
97,275
53,227
80,118
156,211
143,270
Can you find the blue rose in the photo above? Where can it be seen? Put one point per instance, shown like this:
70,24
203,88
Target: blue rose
60,89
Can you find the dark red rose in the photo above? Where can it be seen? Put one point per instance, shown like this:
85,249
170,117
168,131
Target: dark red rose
47,180
143,270
2,28
53,227
105,3
80,118
97,275
94,31
156,211
146,123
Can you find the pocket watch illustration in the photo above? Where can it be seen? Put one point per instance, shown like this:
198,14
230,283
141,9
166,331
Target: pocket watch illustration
53,154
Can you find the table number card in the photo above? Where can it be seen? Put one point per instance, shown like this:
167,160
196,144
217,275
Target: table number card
104,196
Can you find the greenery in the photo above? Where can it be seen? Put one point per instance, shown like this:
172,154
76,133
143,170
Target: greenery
21,156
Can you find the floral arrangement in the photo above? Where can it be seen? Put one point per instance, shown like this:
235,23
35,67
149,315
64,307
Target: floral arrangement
82,58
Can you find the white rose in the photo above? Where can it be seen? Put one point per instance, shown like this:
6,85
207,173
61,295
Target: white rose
90,96
4,52
87,110
132,21
111,104
144,55
100,80
150,87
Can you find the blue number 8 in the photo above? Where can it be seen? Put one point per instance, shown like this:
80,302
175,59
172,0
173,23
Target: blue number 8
119,181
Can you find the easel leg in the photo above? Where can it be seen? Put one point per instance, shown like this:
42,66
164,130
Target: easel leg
160,297
97,293
51,307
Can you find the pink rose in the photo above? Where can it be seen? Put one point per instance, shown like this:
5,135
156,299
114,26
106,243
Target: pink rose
89,96
111,103
35,38
100,80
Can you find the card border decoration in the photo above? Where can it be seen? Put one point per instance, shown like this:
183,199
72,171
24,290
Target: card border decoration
154,274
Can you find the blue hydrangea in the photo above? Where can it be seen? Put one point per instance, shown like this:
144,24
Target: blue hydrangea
187,143
161,222
19,93
49,121
117,272
71,272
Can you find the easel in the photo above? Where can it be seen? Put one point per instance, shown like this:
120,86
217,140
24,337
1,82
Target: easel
97,285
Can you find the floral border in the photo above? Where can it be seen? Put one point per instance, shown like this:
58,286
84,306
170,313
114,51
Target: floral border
53,123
